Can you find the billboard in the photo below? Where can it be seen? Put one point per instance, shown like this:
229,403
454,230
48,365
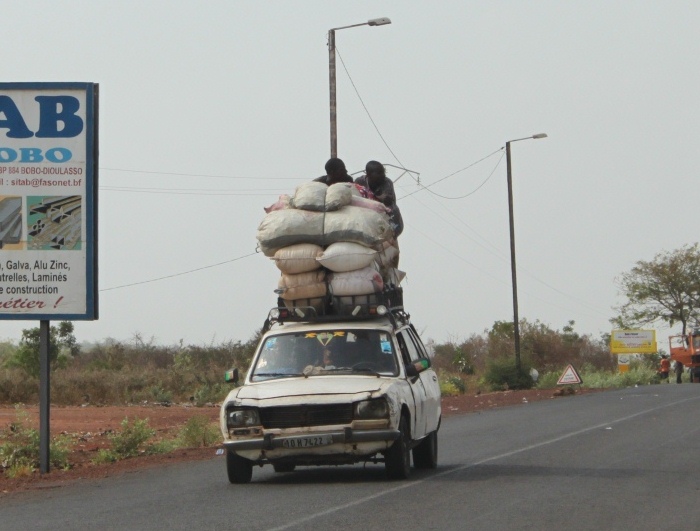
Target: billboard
633,342
48,201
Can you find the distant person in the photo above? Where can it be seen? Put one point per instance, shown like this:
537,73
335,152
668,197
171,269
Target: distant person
678,369
664,368
376,181
335,173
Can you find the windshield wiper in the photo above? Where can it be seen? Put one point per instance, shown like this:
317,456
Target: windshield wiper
366,369
278,374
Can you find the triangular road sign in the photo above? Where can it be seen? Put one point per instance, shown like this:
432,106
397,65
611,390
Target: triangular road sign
570,376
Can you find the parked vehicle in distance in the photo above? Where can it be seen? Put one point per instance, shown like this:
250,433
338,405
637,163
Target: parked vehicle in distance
685,349
332,391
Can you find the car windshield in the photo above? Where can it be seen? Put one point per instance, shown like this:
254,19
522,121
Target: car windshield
326,352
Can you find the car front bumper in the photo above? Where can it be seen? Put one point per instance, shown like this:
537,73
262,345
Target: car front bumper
346,436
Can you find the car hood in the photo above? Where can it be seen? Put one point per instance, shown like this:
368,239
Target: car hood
319,385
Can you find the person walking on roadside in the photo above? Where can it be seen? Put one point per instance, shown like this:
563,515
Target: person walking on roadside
664,368
678,369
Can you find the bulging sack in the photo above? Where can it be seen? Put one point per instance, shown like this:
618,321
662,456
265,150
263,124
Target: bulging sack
289,226
298,258
359,282
346,256
303,285
310,196
319,197
338,196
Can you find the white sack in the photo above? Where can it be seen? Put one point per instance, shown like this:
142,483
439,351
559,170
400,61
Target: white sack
298,258
359,282
346,256
281,228
303,285
310,196
319,197
338,195
389,255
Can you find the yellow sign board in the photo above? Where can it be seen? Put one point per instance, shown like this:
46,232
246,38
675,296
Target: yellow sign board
633,342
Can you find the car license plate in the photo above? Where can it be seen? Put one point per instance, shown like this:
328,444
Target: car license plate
307,442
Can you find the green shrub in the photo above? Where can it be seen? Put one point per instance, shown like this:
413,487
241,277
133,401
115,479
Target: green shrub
128,441
163,447
502,373
447,388
548,380
210,394
199,431
19,448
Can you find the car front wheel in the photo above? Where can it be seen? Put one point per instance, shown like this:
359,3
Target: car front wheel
397,459
239,469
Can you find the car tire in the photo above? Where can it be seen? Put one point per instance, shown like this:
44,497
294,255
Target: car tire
397,459
425,455
239,469
283,467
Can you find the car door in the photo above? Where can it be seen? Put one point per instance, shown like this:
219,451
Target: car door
431,386
411,354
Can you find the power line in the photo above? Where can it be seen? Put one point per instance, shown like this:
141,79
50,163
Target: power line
178,274
423,187
201,175
357,92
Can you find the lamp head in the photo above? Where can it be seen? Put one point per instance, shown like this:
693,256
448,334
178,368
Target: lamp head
540,135
379,21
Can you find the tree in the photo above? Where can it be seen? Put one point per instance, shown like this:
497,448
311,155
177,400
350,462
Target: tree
665,289
61,338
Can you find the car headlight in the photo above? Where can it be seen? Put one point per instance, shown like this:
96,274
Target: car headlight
372,409
242,417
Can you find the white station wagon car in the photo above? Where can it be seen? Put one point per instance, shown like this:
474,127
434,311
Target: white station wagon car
332,392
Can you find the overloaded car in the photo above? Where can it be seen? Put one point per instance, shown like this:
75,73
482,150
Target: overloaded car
333,391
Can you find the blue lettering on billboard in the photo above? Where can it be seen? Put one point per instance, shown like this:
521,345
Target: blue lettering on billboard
53,111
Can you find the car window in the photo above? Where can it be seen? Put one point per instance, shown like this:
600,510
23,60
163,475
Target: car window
410,345
419,344
314,352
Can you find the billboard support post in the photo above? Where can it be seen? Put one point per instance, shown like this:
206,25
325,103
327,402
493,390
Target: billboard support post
44,396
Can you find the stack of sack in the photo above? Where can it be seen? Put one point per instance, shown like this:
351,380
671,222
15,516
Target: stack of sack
329,240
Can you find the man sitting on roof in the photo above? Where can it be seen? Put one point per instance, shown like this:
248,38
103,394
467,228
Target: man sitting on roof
335,173
376,181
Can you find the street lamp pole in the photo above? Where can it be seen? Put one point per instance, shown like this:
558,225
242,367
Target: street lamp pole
331,76
516,319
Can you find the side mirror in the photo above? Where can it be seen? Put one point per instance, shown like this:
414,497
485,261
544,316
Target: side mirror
231,376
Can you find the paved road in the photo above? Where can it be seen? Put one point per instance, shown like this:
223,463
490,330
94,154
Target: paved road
607,461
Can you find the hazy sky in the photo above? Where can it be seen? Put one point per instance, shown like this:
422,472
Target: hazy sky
210,110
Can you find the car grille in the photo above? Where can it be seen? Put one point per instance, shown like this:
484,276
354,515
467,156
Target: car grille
303,416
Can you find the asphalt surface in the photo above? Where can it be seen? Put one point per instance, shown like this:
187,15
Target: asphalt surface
605,461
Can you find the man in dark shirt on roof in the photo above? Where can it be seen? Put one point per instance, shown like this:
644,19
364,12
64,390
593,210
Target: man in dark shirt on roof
376,181
335,173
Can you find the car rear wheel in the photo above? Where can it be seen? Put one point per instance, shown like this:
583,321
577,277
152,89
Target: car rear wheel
397,459
425,455
239,469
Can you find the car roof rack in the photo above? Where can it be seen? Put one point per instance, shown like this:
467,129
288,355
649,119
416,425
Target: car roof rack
388,303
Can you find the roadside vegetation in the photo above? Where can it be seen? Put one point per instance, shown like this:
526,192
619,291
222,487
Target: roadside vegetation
486,362
140,372
19,443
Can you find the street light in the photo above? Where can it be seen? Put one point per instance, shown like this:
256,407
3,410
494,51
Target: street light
331,67
516,324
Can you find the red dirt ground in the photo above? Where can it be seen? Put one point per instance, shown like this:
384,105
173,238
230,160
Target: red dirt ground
89,428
